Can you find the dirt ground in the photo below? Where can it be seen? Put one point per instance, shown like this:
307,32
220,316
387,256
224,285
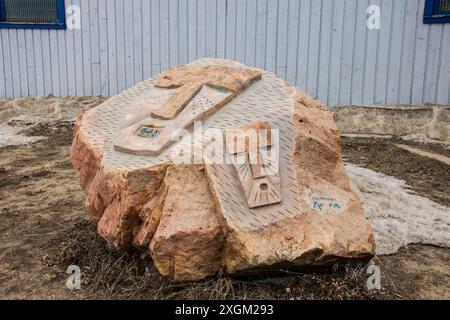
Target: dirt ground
427,177
45,228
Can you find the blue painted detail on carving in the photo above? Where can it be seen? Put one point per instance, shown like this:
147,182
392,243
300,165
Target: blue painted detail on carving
148,132
222,90
321,202
318,206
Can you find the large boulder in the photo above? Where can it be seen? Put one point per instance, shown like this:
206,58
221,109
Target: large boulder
292,207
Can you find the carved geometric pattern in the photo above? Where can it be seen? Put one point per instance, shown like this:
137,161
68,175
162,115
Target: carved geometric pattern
269,99
217,85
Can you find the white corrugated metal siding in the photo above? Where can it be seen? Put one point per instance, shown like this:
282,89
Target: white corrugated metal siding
322,46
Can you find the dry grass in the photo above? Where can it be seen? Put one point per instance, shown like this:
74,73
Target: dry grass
108,274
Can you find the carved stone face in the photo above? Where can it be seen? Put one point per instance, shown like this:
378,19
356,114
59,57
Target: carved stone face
249,146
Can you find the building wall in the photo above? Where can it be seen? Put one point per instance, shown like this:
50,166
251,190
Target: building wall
322,46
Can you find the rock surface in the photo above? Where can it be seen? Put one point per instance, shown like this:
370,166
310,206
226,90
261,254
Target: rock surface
194,220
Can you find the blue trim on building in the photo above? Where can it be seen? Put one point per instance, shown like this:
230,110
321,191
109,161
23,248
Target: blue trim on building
432,14
60,23
2,11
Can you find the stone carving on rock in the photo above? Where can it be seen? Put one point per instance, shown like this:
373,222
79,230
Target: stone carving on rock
282,202
253,154
201,91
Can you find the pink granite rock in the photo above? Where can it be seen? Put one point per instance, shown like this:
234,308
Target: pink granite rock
194,219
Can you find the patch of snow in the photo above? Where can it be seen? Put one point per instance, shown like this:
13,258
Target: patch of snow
421,138
397,216
10,136
19,114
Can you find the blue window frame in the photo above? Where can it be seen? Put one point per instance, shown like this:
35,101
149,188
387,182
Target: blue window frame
436,11
32,14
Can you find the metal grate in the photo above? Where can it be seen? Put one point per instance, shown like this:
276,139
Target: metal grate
30,11
444,5
436,11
